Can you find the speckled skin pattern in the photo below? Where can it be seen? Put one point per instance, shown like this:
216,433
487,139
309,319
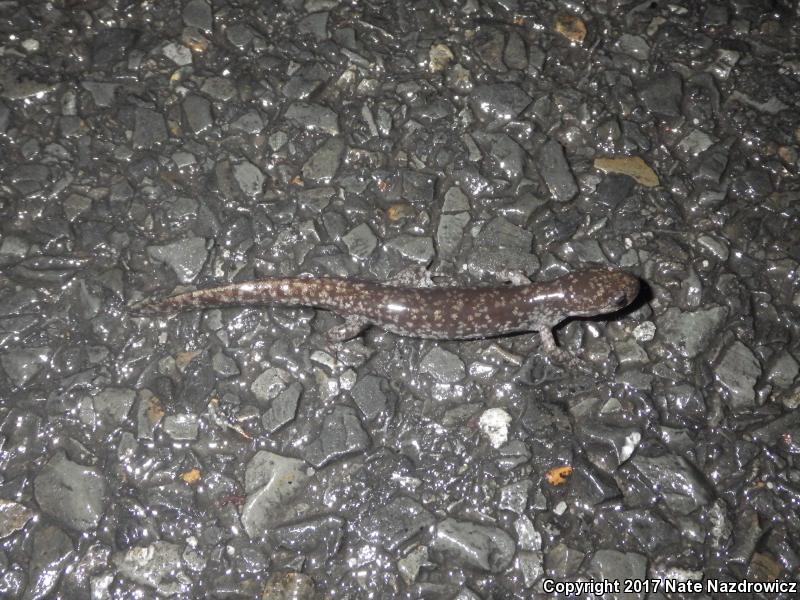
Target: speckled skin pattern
426,312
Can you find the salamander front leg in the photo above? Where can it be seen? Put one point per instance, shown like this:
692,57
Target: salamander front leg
512,276
559,354
353,325
416,276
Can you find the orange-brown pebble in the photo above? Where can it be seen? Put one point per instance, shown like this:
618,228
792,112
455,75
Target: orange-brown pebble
571,27
399,211
558,475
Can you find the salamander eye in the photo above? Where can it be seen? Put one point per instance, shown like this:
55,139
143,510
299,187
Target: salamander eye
621,300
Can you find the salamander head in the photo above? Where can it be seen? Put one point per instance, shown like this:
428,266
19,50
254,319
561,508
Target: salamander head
597,290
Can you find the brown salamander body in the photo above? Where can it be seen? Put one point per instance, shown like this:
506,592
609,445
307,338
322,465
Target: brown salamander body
426,312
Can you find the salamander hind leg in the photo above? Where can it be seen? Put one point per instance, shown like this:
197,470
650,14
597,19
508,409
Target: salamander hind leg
353,325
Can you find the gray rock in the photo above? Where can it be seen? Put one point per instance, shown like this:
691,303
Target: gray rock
738,371
315,24
633,45
304,83
690,332
316,199
240,35
483,261
562,562
323,164
694,143
283,408
341,434
413,247
13,517
271,482
507,155
471,545
29,178
500,233
466,594
197,13
270,383
249,178
514,496
582,251
629,352
184,160
51,552
607,447
395,523
312,6
5,117
102,93
669,478
498,102
716,246
515,55
410,564
149,128
662,95
369,395
556,172
224,365
772,106
450,232
360,241
120,192
112,405
21,365
198,113
250,122
455,201
752,185
149,413
277,140
419,186
182,427
443,366
180,55
532,566
723,63
13,248
112,45
319,536
70,493
159,566
681,405
611,565
712,164
289,586
313,117
527,536
185,257
219,88
783,370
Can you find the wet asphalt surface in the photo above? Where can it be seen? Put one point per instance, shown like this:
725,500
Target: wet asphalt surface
149,147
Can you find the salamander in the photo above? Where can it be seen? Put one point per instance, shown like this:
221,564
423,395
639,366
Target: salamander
416,309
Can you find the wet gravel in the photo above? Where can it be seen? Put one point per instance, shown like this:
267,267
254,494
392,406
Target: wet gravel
152,146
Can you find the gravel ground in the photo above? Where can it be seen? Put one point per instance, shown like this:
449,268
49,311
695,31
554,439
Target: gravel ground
148,147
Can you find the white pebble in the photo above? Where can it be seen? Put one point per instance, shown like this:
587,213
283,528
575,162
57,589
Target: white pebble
494,424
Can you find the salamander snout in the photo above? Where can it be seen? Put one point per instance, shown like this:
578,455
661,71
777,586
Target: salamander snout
621,289
599,290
